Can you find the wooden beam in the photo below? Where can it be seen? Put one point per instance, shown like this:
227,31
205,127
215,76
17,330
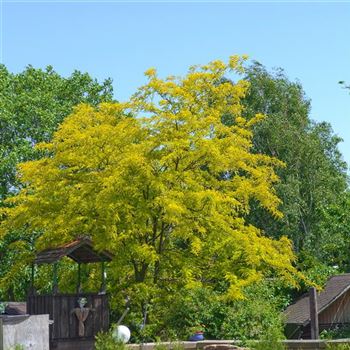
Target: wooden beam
32,276
313,313
55,279
79,279
103,278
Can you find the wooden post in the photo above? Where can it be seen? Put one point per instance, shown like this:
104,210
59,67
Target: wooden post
79,280
32,276
103,278
313,313
55,279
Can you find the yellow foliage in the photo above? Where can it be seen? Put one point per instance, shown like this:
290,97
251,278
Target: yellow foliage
161,182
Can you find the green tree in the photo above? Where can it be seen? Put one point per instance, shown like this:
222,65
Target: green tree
32,104
334,234
313,186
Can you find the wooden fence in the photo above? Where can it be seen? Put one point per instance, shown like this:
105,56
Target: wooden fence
62,311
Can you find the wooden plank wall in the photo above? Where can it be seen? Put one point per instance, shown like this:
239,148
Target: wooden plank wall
65,323
337,312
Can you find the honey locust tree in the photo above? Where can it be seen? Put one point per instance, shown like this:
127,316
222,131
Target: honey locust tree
164,184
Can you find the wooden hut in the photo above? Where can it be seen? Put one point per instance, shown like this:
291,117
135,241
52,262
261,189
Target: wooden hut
77,317
333,309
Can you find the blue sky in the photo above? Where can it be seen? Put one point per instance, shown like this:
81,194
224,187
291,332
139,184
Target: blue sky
310,40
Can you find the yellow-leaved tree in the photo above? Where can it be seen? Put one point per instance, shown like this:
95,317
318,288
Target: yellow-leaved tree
161,182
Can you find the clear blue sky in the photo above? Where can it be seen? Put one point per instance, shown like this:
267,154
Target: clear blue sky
310,40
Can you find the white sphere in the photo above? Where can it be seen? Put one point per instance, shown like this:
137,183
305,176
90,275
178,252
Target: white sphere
122,333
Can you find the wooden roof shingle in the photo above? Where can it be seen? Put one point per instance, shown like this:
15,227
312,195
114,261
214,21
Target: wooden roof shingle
81,251
299,312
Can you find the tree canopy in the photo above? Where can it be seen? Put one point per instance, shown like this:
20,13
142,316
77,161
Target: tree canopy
163,182
313,185
32,104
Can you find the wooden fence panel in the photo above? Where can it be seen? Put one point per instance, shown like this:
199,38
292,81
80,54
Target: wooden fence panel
60,309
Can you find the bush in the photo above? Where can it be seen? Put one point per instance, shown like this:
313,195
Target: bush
106,341
173,316
338,332
17,347
335,346
271,340
252,318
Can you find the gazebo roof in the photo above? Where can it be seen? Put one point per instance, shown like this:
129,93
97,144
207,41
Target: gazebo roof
81,251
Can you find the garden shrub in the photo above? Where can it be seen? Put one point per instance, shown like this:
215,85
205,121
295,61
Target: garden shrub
338,332
160,346
271,340
17,347
106,341
174,316
254,317
177,346
337,346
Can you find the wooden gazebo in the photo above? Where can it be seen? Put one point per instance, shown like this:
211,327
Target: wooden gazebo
79,316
